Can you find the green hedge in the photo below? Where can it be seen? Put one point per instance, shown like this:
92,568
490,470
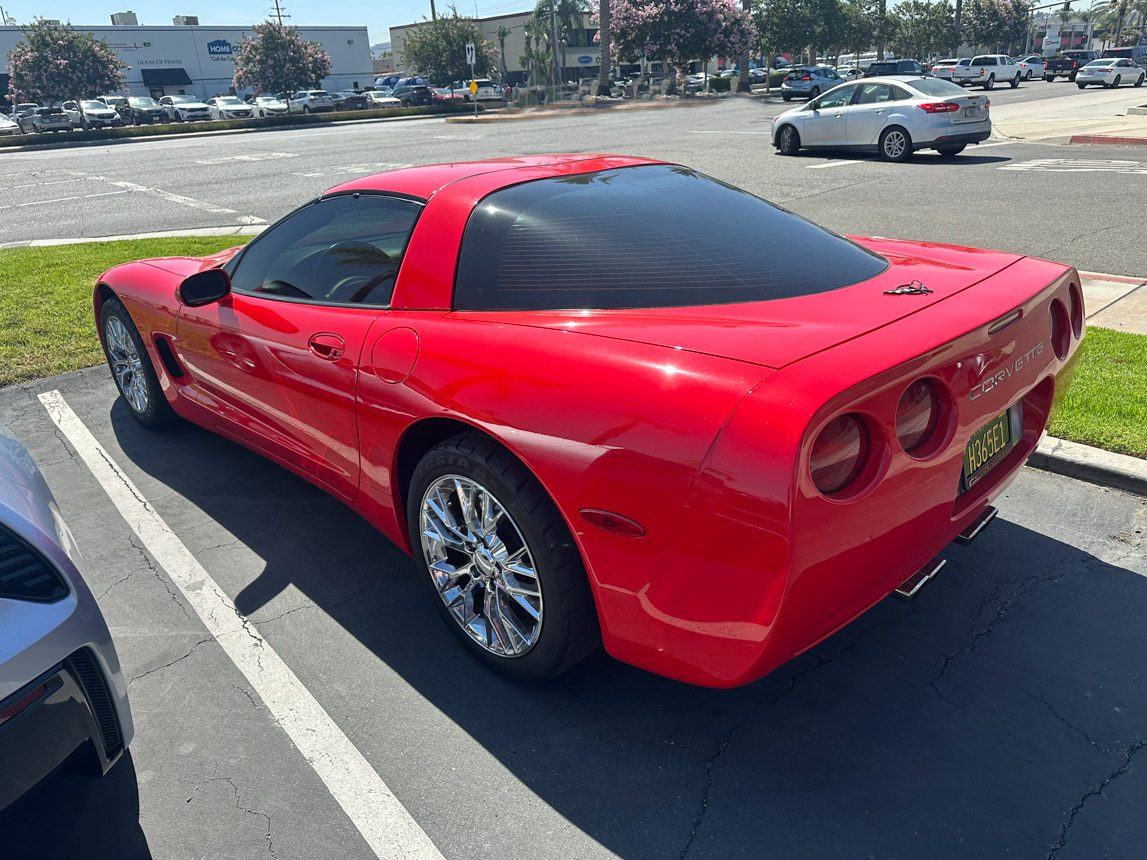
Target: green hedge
224,125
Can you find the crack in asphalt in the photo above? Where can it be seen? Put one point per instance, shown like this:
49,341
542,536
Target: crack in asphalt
711,760
157,572
178,659
255,812
1094,791
1065,720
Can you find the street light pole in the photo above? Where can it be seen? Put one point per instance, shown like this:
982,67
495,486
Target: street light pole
554,37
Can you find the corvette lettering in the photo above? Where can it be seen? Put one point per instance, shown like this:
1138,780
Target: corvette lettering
1008,372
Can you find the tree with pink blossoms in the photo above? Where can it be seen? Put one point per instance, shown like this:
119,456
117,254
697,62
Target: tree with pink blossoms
54,63
278,60
678,31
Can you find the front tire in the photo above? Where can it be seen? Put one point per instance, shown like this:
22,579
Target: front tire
895,144
131,367
788,141
1082,86
502,567
1015,82
1115,83
1139,81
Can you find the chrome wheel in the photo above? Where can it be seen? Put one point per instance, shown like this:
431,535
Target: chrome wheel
127,367
895,142
481,565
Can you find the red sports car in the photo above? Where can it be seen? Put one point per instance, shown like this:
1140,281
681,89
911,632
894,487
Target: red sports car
591,422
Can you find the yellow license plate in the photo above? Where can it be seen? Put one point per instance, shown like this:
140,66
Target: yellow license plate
986,448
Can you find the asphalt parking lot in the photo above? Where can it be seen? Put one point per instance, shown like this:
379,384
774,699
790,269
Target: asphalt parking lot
1001,712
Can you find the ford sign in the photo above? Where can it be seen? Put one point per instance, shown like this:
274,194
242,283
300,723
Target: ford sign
219,47
585,60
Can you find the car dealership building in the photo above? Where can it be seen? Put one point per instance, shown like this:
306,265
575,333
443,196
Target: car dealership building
194,60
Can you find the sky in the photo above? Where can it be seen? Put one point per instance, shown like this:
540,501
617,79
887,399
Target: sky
378,17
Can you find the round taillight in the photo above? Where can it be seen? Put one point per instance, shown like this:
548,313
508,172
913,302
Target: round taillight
1075,309
1060,329
917,416
839,453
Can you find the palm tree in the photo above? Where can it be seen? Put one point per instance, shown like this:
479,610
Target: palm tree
605,43
1114,10
502,34
743,60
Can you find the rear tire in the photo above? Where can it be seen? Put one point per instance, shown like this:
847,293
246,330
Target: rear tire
1049,78
950,151
815,92
990,82
565,628
895,144
788,141
1082,86
1028,76
787,98
131,367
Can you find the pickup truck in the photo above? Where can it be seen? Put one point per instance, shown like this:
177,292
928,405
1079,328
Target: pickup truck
1067,63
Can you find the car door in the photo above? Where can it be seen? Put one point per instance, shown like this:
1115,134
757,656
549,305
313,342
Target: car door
868,114
825,118
276,362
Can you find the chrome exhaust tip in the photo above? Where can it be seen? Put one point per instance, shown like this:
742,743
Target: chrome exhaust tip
916,581
976,526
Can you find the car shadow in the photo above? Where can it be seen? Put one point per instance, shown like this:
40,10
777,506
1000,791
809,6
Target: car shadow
71,814
974,720
924,157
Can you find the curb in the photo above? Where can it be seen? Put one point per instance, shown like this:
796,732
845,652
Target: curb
249,230
1108,139
1094,465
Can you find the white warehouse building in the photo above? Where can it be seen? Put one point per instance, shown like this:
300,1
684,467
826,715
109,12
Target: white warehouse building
194,60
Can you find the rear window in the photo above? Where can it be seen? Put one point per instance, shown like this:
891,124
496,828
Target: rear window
644,237
937,87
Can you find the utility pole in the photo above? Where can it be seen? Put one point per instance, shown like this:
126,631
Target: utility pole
279,13
433,12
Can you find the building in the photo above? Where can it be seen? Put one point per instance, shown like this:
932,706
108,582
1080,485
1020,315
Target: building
170,60
582,59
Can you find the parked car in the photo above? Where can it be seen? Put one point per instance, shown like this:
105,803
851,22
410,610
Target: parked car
44,119
381,99
893,116
1032,66
8,125
987,70
480,402
95,113
808,82
62,691
444,95
267,106
411,94
229,107
1067,64
1110,73
882,68
849,73
349,100
140,110
185,108
311,101
945,69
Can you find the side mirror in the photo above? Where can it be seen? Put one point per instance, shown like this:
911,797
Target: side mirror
204,287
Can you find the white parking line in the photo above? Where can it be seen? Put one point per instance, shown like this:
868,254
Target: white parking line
61,199
254,156
171,197
841,163
378,815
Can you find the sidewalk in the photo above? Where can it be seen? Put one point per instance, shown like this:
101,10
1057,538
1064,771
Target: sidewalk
1115,302
1077,116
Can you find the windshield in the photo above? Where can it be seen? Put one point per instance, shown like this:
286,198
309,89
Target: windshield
319,93
228,100
93,105
136,101
525,249
183,100
937,87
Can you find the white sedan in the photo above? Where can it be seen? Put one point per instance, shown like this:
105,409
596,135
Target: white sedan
268,106
1032,66
893,116
849,73
1111,72
945,69
229,107
381,99
7,126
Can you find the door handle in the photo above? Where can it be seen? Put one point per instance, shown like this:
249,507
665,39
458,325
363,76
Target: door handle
329,347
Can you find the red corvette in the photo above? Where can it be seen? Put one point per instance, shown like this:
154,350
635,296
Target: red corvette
591,421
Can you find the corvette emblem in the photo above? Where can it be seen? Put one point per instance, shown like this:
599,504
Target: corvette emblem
913,289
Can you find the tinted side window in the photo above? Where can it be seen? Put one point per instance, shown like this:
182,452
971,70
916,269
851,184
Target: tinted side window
898,95
873,93
676,238
343,249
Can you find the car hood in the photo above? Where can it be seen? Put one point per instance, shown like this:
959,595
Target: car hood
779,332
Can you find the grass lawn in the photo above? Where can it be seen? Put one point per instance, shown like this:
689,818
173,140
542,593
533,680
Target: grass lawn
46,320
46,300
1106,405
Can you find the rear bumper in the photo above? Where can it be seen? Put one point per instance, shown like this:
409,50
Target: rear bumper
762,566
955,139
50,718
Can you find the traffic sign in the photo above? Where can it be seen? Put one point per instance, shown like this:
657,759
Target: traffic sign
473,88
471,53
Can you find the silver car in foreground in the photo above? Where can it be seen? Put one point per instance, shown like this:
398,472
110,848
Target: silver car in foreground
61,688
893,116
